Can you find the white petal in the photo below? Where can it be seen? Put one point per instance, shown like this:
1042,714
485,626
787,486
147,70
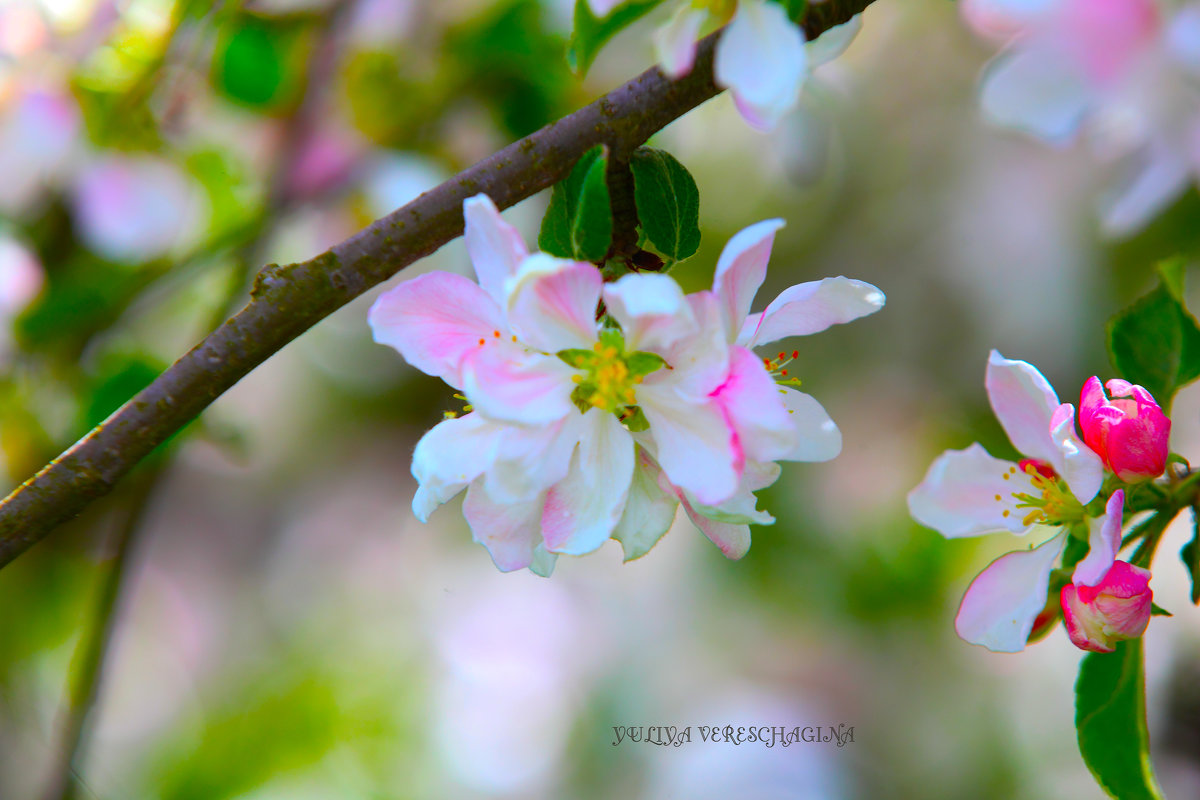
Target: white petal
1154,177
755,409
817,436
495,247
649,510
1078,464
675,42
760,58
958,495
1024,402
811,307
741,270
699,362
833,42
1104,541
652,310
741,509
693,444
552,303
584,507
1003,601
449,456
509,531
531,459
1036,90
601,8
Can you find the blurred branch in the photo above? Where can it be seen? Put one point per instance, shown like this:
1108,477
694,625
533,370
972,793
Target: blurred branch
88,664
288,300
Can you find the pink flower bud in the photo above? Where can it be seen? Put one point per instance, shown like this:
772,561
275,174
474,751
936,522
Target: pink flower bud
1117,608
1129,432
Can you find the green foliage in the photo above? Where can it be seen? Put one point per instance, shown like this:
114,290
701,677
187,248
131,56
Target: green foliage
591,34
578,222
258,63
1156,341
796,9
1110,718
119,378
502,59
668,202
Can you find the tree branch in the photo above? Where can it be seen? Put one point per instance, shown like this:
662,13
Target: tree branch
288,300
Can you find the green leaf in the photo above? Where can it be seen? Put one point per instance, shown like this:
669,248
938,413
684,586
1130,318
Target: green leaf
578,223
1156,342
668,203
591,34
1110,719
795,9
1191,557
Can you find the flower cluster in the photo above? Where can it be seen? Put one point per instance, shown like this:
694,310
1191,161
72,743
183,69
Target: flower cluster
1074,487
1124,74
594,410
762,57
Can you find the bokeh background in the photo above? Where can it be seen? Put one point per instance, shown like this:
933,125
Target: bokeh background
287,629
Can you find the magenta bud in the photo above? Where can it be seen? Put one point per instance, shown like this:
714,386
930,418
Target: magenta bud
1097,617
1130,432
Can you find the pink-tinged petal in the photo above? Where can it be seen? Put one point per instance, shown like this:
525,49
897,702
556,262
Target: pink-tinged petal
552,303
506,382
742,508
1154,177
531,459
958,495
509,531
675,42
733,540
699,362
1038,90
694,446
811,307
1003,19
1107,37
495,247
741,270
1078,464
21,276
1117,608
754,409
652,310
451,455
1003,601
817,436
833,42
1104,540
1130,433
1023,402
649,511
434,321
584,507
761,59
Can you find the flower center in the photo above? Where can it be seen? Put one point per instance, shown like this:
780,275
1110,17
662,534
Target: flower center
1051,503
777,368
609,375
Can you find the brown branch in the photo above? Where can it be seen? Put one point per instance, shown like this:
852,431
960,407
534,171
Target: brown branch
288,300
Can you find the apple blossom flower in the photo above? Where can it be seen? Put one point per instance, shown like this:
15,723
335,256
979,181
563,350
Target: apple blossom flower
761,57
1123,73
545,454
563,407
1116,608
1129,432
969,492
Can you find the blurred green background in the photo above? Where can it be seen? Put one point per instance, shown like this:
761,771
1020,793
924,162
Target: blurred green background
287,629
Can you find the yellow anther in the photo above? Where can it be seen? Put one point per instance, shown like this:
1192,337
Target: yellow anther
577,379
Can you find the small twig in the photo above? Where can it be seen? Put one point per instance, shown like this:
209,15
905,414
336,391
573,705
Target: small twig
94,644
